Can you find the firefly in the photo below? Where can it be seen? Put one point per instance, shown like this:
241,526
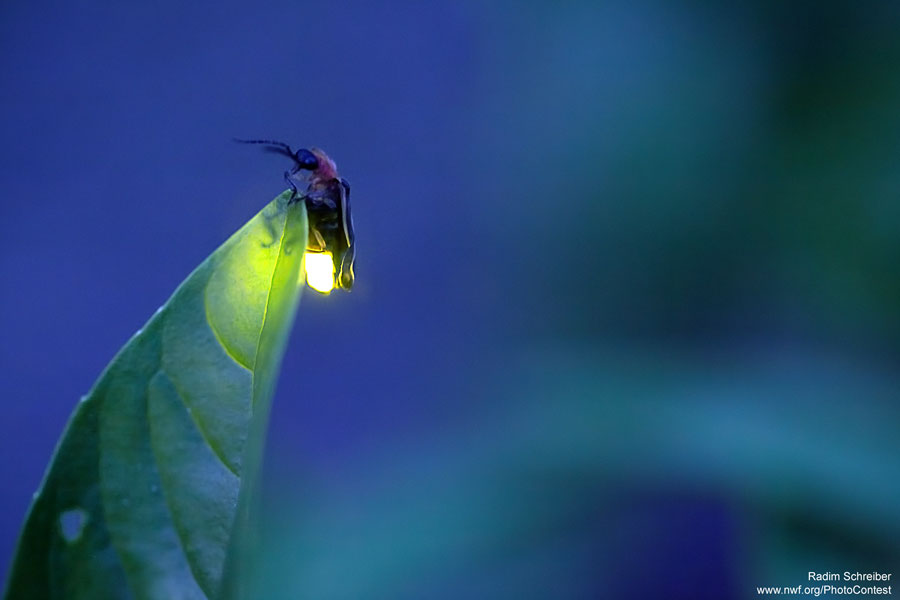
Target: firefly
330,246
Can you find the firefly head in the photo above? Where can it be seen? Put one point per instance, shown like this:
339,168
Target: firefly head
306,160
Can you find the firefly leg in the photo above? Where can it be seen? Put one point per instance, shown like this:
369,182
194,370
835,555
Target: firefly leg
316,241
294,195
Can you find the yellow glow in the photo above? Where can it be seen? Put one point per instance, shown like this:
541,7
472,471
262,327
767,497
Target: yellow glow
320,271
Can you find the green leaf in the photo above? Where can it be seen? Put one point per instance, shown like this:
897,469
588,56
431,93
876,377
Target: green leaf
151,489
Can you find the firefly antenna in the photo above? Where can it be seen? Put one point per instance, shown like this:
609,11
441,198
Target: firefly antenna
272,146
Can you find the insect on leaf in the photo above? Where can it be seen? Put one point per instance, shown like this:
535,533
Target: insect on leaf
150,489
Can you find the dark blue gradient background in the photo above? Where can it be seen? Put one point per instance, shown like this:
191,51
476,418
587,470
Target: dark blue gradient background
627,313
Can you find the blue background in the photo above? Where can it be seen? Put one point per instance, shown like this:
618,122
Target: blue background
627,313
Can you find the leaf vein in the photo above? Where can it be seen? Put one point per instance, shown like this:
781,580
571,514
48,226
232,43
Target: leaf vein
262,325
231,354
216,450
179,532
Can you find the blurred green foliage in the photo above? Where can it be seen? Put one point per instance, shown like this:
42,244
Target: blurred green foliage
685,223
